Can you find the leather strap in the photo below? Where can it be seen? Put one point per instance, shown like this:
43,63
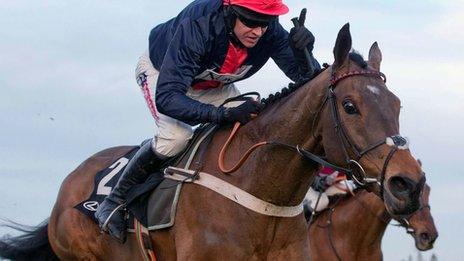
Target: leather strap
304,153
233,193
242,159
144,242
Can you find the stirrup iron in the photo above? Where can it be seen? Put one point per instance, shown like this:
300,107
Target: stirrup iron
104,227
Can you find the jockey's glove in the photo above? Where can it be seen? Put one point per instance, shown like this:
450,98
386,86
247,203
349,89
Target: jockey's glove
242,113
300,38
320,183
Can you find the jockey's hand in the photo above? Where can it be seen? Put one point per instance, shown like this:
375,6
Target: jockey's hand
300,37
320,183
241,113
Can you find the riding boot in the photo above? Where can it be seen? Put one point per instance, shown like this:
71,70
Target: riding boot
111,214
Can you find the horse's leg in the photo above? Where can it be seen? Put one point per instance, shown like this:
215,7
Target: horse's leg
73,235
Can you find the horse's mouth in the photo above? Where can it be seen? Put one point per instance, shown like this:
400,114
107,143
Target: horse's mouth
424,241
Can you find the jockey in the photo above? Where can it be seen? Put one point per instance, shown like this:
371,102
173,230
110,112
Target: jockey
327,182
189,70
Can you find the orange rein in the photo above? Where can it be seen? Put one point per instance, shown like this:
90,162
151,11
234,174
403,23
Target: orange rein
242,159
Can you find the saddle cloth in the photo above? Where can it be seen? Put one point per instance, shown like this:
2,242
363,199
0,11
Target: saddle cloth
154,202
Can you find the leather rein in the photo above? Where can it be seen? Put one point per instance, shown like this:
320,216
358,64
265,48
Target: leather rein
355,171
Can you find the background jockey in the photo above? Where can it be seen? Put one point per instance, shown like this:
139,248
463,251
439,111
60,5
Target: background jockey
189,70
327,182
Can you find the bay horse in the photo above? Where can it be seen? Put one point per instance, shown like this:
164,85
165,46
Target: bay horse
346,113
353,227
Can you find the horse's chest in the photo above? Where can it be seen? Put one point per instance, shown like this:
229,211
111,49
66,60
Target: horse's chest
218,225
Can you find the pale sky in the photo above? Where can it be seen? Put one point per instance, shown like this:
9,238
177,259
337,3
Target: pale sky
68,91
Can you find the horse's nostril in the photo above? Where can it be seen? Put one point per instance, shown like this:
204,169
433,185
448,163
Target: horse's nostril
424,237
399,184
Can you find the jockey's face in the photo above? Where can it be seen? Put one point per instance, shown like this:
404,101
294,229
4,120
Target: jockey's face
248,36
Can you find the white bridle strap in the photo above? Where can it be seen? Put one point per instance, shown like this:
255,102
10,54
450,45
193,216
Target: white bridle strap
234,193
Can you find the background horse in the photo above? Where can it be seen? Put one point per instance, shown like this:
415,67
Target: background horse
345,109
353,227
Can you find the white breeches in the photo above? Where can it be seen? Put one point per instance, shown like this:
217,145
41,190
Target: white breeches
172,136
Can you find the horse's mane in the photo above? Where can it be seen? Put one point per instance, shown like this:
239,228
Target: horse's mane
358,59
293,86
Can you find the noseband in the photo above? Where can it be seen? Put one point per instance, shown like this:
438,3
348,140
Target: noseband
404,222
356,171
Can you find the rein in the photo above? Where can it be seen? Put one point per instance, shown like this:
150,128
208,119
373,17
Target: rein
329,228
355,170
304,153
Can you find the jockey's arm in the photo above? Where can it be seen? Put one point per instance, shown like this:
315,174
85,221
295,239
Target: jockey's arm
284,58
180,65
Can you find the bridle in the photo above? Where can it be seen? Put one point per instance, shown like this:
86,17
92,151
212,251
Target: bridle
355,170
403,221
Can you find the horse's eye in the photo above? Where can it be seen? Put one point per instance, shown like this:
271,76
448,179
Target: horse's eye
349,107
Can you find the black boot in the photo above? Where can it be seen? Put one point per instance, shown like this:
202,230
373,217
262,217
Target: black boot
111,214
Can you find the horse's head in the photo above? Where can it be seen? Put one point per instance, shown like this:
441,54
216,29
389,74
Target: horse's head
421,224
360,123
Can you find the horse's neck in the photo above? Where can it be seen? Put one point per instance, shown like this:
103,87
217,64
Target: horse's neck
274,173
366,213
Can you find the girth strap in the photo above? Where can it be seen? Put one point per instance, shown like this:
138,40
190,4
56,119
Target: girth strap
233,193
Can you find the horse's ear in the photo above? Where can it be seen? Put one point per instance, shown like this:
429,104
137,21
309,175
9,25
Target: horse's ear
375,57
342,46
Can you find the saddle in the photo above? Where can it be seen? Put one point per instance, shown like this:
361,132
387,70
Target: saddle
154,202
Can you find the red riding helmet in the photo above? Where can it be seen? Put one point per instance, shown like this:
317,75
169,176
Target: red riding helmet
266,7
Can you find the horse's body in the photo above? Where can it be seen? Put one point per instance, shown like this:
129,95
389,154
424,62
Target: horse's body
215,229
353,227
211,227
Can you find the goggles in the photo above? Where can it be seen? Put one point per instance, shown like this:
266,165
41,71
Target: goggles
251,23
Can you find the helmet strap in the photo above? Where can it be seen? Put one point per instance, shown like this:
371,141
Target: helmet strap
230,19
